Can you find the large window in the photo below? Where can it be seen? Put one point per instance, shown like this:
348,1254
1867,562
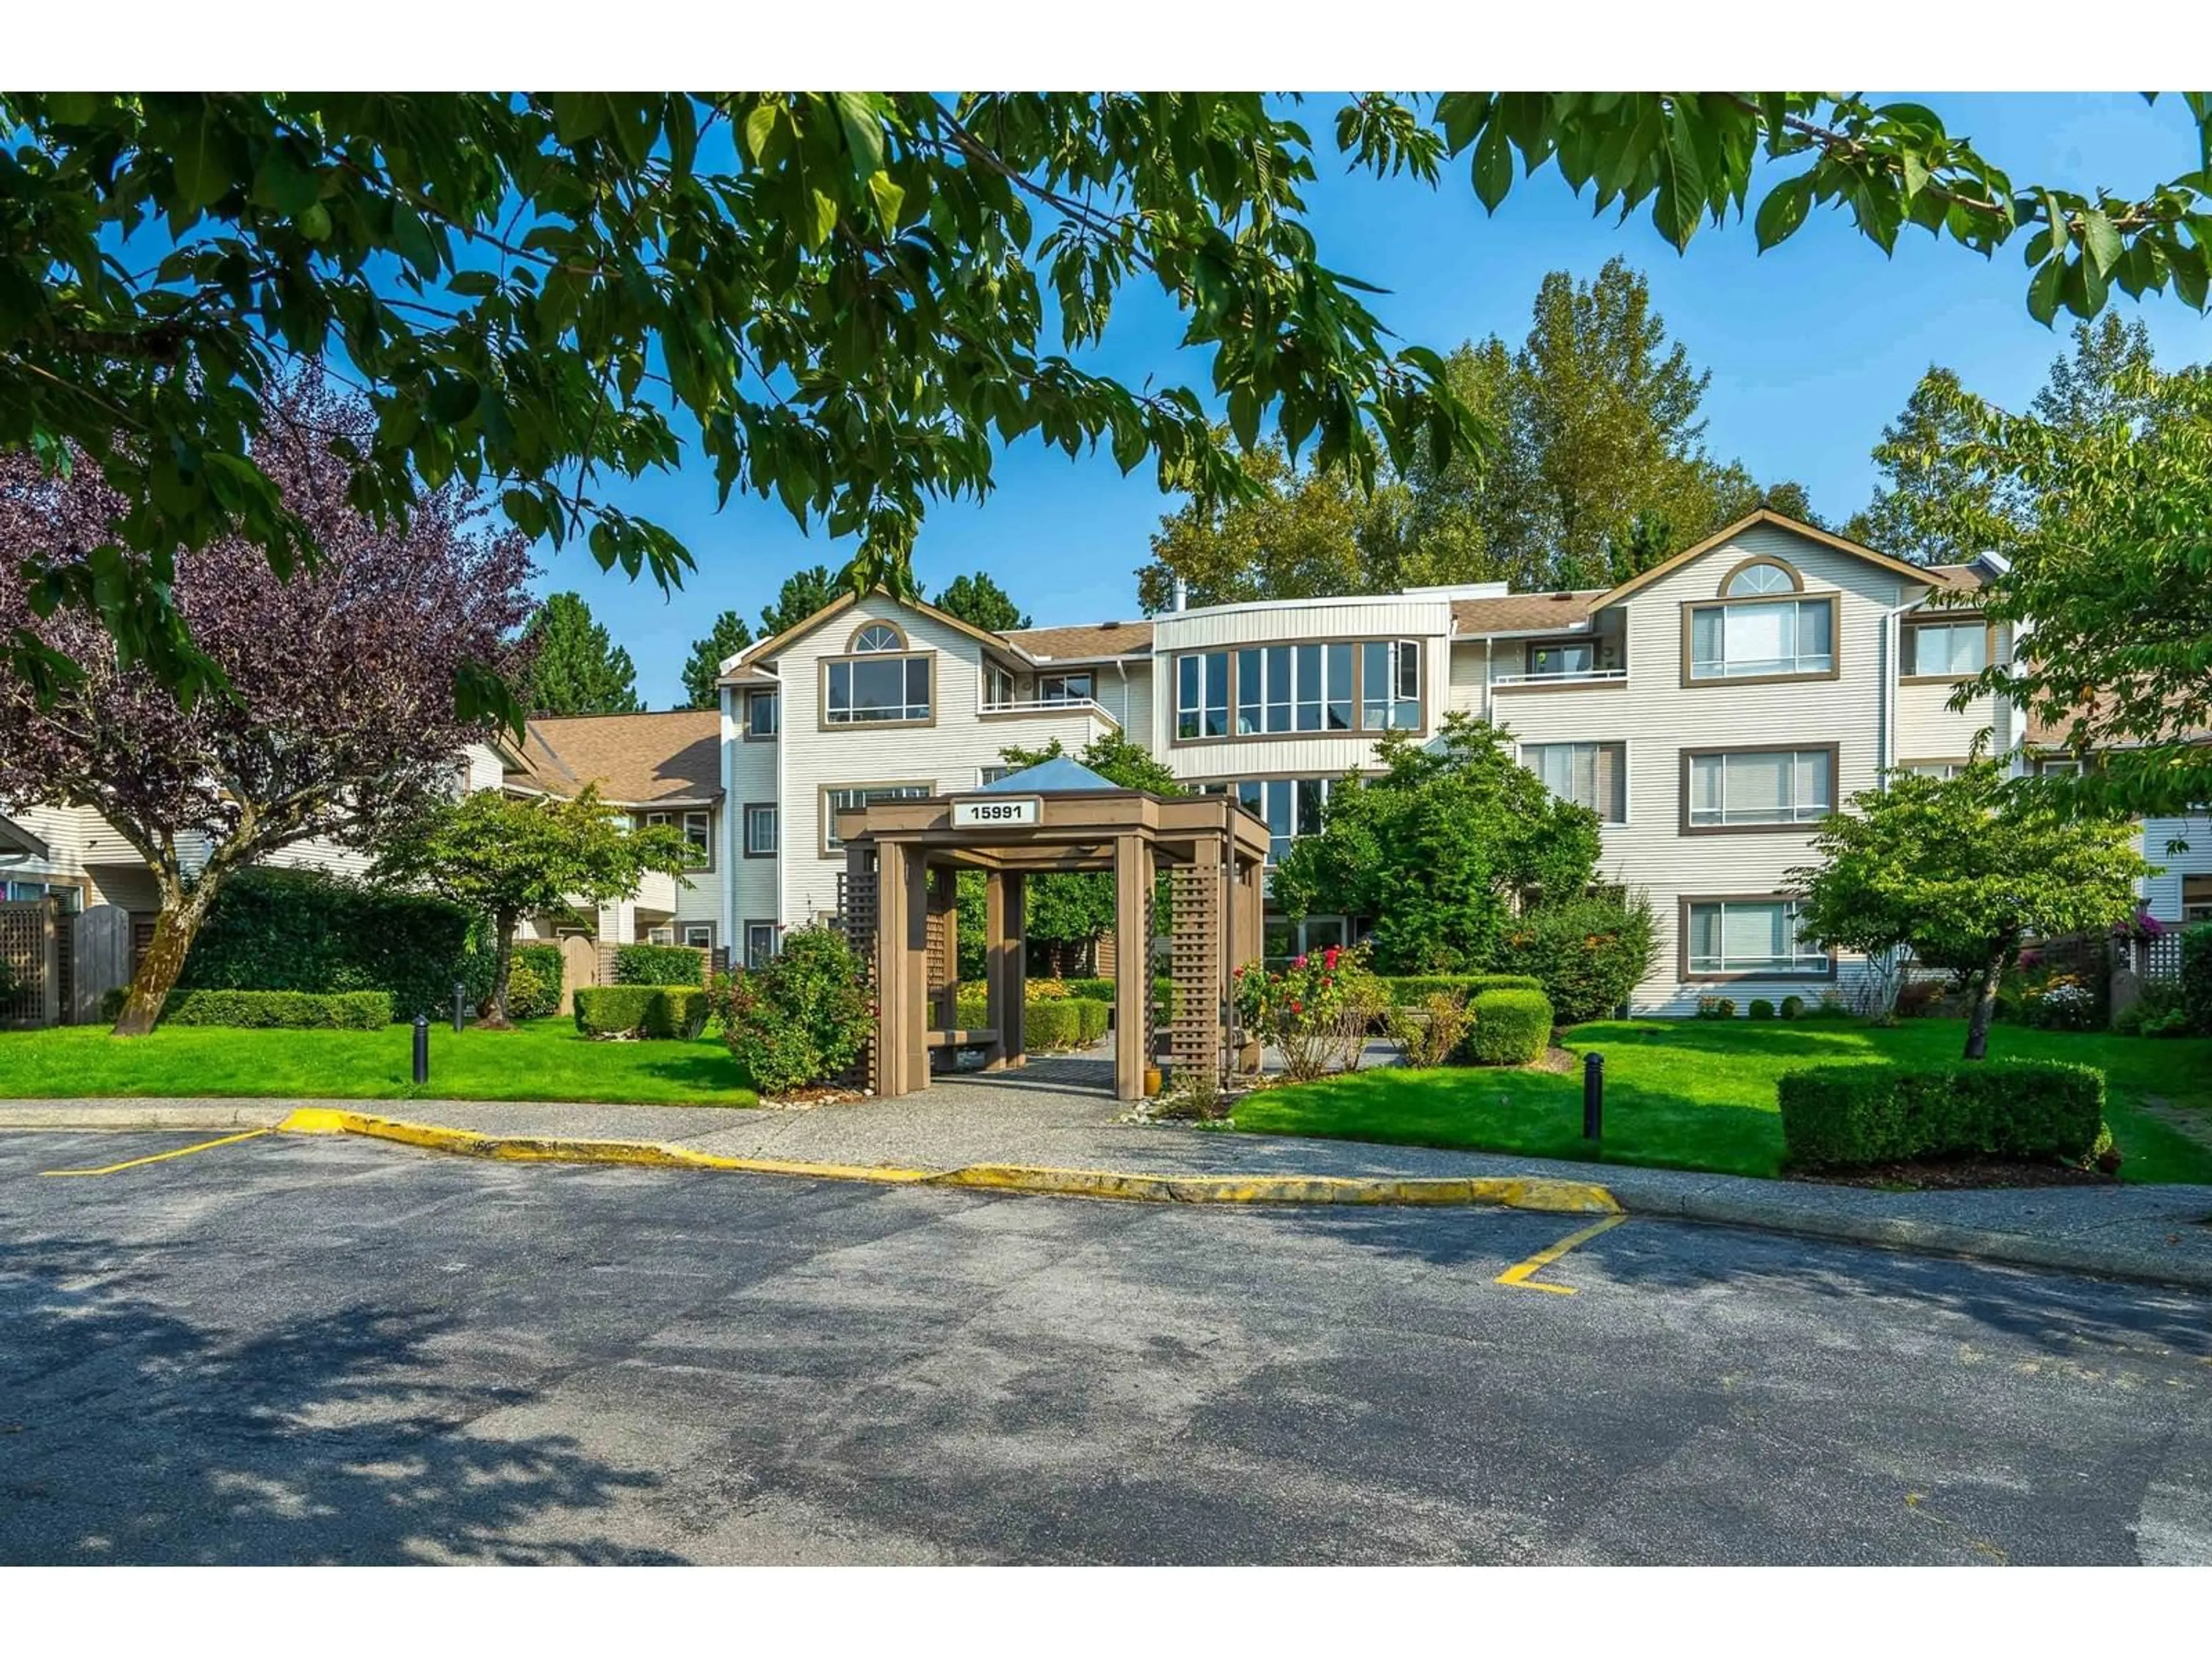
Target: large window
1946,650
1291,806
1592,774
760,829
761,711
1280,690
1757,788
698,830
853,797
1764,640
700,935
877,691
1066,688
1727,936
2197,898
760,943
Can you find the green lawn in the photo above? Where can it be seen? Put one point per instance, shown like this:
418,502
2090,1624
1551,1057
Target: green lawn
1699,1094
544,1060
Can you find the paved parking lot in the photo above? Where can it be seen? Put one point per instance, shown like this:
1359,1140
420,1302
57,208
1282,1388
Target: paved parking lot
290,1349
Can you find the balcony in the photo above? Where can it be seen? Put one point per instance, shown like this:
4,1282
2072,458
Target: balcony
656,893
1075,721
1561,677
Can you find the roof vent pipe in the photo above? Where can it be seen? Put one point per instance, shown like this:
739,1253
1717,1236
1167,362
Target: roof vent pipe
1181,594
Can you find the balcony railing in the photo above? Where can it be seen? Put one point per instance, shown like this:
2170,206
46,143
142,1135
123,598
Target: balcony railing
1052,705
1572,676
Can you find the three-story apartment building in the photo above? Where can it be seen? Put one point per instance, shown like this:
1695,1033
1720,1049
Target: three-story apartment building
1711,710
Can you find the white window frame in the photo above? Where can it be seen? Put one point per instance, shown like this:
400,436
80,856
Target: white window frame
1801,964
759,930
1910,664
1798,663
906,712
758,810
685,929
1053,688
754,702
680,820
870,794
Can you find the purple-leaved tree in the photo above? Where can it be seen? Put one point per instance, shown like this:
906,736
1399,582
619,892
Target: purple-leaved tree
339,719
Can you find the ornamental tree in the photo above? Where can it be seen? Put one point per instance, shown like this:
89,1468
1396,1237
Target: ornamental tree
1441,849
548,288
336,713
508,856
1960,871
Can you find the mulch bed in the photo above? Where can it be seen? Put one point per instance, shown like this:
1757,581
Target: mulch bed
1957,1174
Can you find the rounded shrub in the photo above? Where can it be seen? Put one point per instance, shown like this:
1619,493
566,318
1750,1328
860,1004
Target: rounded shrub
1511,1028
1761,1009
802,1018
1793,1006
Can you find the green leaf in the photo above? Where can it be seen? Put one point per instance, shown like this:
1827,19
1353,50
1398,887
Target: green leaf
202,164
2100,241
864,132
825,217
2043,289
1493,166
1783,210
888,198
315,223
757,127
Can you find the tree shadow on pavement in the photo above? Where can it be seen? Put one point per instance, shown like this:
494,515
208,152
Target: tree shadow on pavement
131,1434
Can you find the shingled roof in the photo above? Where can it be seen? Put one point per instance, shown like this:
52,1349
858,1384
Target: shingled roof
637,760
1085,642
1522,613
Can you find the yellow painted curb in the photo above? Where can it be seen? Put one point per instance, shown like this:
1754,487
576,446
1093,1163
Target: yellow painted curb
1517,1193
1569,1197
557,1149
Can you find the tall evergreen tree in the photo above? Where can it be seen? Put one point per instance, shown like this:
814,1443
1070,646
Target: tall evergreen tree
578,669
980,601
728,636
803,593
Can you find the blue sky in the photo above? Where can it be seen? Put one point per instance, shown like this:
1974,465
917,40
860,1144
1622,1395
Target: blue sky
1812,348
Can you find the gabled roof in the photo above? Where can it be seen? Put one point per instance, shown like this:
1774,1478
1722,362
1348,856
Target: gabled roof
1058,776
636,760
844,602
1917,572
1085,642
15,839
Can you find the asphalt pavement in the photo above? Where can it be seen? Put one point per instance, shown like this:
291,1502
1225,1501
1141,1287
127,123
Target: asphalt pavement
307,1349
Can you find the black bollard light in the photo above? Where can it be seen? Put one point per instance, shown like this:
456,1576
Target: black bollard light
422,1048
460,1003
1593,1096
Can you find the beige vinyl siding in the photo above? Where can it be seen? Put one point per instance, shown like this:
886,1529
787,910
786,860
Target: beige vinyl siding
1467,689
1927,730
1659,717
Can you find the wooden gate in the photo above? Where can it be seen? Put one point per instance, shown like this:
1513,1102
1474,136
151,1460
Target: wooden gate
29,951
101,959
580,965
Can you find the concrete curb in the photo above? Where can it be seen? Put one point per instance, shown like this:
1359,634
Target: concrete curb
2138,1264
1564,1197
247,1114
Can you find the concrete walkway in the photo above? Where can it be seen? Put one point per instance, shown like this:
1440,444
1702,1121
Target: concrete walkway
1061,1113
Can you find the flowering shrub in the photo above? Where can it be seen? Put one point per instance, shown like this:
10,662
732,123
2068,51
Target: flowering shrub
1316,1010
2063,1004
2141,925
1715,1007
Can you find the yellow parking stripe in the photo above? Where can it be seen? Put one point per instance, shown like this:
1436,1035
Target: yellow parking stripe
161,1157
1519,1272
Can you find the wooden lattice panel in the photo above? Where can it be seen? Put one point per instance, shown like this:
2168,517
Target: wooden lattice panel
856,909
25,926
1194,944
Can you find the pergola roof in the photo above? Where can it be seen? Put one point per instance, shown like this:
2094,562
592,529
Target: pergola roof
1075,827
1058,776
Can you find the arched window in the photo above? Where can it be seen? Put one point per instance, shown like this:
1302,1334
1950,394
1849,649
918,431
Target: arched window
1757,576
877,636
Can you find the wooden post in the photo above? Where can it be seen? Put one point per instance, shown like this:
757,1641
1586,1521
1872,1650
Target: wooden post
1133,963
890,970
914,1001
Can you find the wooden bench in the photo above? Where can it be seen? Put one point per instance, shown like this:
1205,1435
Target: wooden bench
980,1037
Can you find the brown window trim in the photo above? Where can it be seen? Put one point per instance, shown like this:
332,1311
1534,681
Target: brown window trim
1354,733
823,723
1684,827
744,828
676,815
1833,671
1770,976
753,691
827,823
1796,577
1522,747
1907,624
905,641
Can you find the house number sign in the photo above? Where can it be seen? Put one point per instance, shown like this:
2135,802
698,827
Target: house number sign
997,814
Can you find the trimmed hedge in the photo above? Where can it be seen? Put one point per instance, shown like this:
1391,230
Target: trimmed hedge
307,1011
1838,1115
2196,975
1408,990
307,930
1054,1023
677,1011
1512,1027
658,965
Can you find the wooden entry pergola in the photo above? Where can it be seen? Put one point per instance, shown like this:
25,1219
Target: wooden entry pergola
901,914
